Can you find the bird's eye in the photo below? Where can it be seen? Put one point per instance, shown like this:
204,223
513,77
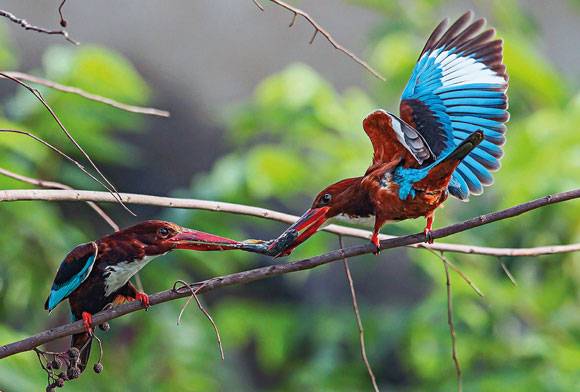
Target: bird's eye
163,232
326,198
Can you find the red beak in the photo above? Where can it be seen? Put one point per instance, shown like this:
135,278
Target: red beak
198,240
304,228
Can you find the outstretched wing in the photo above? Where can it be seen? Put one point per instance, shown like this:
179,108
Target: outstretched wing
458,87
393,140
74,269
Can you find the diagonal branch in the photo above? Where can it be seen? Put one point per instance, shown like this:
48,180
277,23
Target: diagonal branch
279,269
240,209
319,29
93,97
27,26
69,136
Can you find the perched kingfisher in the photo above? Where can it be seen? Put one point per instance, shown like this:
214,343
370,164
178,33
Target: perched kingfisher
447,140
97,273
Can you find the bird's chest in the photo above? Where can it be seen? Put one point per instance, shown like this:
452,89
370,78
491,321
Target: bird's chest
389,205
118,274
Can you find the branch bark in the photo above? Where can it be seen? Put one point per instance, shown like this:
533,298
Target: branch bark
93,97
319,29
27,26
278,269
240,209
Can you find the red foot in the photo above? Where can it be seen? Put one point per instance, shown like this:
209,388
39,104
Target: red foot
87,321
376,243
428,236
144,298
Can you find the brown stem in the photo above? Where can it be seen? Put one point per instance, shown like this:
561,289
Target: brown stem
90,96
169,202
452,330
319,29
27,26
278,269
359,324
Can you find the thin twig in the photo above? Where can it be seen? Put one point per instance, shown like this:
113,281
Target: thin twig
507,272
90,96
240,209
64,155
452,330
361,331
39,96
58,185
277,269
260,6
448,263
27,26
62,21
319,29
201,307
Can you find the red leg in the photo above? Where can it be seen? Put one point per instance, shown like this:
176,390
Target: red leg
375,237
144,298
428,227
87,321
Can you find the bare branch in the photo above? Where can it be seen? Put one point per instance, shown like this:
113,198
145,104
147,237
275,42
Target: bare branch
27,26
452,330
448,263
319,29
58,185
63,21
39,96
240,209
193,292
361,331
276,269
93,97
507,272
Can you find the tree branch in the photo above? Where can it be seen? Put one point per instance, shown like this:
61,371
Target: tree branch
57,185
277,269
27,26
240,209
93,97
319,29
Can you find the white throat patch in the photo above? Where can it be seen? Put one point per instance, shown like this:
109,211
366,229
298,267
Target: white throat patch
120,274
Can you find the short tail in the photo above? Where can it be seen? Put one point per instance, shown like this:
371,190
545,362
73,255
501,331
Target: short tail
82,342
440,173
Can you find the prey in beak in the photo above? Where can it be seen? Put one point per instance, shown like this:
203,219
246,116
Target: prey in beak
304,228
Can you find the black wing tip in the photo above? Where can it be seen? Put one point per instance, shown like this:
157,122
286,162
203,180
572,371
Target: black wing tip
469,36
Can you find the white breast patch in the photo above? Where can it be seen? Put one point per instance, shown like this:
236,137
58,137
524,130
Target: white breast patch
120,274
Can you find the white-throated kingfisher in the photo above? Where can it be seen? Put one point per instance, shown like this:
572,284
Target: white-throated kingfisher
97,273
447,140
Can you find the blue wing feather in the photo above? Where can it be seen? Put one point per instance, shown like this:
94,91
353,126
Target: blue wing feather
75,268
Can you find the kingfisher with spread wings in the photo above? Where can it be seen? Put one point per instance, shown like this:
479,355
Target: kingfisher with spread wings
447,140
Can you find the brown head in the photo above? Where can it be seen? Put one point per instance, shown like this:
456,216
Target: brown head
343,197
159,237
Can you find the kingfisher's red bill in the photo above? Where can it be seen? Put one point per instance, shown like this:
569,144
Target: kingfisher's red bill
447,140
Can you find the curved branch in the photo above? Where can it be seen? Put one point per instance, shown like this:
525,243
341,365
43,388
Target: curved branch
87,95
240,209
279,269
319,29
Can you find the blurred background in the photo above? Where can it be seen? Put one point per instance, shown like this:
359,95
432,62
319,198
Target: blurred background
260,117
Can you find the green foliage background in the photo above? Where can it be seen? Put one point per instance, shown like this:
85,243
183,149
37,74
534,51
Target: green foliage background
292,137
